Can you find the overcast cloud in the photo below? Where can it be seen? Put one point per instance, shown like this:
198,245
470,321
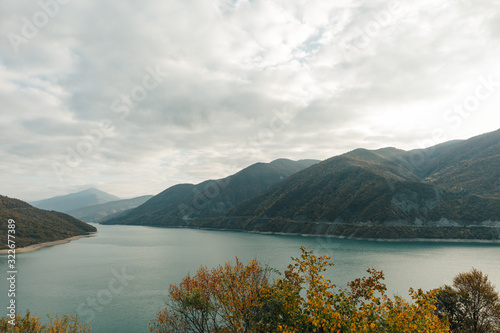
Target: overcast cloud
135,96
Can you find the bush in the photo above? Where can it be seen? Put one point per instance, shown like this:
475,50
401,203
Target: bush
31,324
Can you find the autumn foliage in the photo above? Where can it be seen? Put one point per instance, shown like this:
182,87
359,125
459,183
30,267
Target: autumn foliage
242,298
31,324
234,298
225,299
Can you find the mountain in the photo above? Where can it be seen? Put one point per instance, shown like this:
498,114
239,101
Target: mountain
385,193
98,213
472,165
74,201
211,198
35,225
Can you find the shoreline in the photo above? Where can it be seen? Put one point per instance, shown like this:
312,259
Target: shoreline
34,247
389,240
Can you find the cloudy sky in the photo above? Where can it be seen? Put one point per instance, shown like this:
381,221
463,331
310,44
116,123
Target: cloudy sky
132,96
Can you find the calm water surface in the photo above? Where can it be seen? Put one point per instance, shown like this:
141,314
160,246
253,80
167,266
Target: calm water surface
129,268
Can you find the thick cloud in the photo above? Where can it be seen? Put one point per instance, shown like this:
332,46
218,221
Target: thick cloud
133,97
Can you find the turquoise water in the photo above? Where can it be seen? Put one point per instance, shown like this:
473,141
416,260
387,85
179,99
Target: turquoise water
126,270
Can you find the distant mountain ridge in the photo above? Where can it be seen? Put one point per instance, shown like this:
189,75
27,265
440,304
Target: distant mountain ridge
35,225
98,213
74,201
454,185
451,190
211,198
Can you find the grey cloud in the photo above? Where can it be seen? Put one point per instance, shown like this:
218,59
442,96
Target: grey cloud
227,68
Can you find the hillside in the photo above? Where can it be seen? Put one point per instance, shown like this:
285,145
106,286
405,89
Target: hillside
451,190
35,225
211,198
98,213
74,201
405,194
472,165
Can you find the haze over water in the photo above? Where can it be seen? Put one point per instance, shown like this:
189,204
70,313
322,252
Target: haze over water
129,269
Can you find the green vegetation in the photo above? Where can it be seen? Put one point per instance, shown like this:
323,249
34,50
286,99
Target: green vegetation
211,198
355,231
366,188
35,225
450,191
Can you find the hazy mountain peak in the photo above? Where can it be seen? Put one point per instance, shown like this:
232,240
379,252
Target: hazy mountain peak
73,201
100,212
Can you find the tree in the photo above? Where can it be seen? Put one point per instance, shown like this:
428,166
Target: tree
224,299
471,305
31,324
241,298
362,307
448,306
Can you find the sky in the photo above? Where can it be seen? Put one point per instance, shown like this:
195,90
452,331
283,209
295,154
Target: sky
133,97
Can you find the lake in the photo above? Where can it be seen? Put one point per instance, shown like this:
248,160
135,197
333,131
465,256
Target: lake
126,270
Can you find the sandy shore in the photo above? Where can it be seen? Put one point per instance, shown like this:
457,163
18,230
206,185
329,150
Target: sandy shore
39,246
